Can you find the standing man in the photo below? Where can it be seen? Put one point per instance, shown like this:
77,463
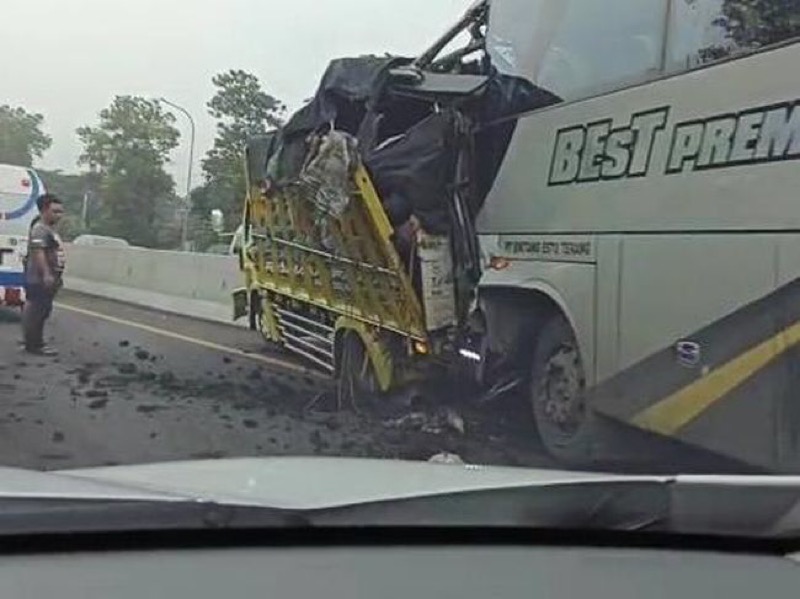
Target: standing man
43,273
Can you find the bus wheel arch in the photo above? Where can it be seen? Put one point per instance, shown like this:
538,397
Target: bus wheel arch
534,330
513,316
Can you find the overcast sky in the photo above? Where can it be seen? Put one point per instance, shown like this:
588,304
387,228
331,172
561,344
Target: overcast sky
68,58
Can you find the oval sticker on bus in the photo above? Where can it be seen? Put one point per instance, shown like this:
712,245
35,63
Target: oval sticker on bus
688,353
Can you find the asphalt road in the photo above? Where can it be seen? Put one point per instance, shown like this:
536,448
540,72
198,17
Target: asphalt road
133,385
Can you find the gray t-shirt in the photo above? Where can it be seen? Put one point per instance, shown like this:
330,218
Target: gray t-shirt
44,238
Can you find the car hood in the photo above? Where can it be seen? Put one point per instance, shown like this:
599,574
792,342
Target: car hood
300,483
314,483
338,491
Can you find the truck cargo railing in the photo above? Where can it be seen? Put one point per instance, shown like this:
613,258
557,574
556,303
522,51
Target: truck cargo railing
347,265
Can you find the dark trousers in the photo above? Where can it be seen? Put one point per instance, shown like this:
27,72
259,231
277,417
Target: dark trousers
38,307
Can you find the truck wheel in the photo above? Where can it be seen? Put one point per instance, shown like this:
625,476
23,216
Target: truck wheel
357,384
262,329
257,309
565,421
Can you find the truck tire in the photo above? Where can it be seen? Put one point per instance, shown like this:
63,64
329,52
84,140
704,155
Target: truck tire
258,309
357,385
563,417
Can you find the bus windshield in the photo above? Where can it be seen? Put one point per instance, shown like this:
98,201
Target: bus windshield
556,46
559,46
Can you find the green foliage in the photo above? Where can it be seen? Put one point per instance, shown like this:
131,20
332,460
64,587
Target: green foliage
21,136
757,23
202,235
242,106
242,109
130,128
753,24
128,150
72,189
71,226
69,187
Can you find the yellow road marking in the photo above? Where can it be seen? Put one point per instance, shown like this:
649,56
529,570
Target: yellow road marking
276,362
671,414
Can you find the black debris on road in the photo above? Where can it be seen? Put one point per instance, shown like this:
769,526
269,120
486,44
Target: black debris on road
111,400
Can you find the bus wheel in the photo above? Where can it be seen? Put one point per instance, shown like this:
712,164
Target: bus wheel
357,385
558,396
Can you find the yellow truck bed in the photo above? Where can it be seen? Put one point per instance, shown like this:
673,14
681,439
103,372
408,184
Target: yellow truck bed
363,278
312,278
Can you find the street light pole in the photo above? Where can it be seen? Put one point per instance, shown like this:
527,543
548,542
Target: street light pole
185,223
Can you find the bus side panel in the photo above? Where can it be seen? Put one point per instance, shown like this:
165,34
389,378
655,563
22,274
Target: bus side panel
729,387
709,150
788,267
703,354
674,285
607,331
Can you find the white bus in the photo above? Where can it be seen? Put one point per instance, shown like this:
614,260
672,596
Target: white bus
19,189
643,234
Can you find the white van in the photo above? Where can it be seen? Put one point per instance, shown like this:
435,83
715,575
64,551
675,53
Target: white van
19,189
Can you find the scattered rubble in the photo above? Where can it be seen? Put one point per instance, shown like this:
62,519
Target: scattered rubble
446,458
98,404
437,423
127,368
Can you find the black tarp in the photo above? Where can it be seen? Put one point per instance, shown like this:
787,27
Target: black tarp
342,100
259,150
343,94
415,173
410,149
503,101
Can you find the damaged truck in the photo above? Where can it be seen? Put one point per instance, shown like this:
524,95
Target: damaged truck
587,203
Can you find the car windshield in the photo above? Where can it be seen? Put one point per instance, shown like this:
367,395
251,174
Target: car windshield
556,235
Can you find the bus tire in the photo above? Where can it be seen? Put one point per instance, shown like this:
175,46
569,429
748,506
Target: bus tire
557,392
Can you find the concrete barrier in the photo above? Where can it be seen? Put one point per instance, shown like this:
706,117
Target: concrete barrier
197,285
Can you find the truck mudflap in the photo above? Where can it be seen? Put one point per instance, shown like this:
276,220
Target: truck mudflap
730,387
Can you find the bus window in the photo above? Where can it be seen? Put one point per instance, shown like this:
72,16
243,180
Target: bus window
578,48
601,46
702,31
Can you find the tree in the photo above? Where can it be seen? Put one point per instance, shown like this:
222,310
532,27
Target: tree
758,23
129,149
753,24
72,189
21,136
242,109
